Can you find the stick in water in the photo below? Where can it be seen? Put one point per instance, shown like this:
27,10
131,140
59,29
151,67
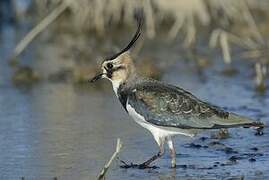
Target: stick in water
107,165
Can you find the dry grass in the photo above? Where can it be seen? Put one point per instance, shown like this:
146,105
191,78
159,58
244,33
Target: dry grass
222,18
228,22
185,14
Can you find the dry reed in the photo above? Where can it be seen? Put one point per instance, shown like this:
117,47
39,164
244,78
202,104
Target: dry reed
222,18
227,22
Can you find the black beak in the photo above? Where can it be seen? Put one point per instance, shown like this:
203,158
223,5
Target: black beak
96,78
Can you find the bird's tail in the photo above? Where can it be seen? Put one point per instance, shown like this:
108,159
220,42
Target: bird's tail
238,120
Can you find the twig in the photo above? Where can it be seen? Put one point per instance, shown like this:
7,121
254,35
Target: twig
225,47
176,28
107,165
149,15
39,28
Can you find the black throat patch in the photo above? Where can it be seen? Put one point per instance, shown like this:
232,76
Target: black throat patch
123,95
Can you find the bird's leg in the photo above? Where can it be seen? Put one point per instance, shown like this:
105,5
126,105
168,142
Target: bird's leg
172,151
153,158
146,164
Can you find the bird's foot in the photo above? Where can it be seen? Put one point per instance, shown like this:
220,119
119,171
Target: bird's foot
137,166
173,165
259,132
146,166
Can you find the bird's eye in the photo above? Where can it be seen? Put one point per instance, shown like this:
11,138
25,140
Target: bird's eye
109,65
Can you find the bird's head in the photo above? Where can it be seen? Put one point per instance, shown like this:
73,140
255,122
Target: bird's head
120,66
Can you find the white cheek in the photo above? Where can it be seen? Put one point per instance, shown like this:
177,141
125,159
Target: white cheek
116,85
104,71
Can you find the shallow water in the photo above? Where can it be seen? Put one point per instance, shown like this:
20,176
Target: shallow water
60,130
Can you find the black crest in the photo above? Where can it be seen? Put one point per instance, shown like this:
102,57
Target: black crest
131,43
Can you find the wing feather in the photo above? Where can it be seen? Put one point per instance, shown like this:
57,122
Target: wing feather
170,106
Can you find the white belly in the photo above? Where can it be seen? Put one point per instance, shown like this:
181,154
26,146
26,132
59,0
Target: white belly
157,132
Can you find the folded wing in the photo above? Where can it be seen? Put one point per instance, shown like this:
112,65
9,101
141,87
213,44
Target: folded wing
170,106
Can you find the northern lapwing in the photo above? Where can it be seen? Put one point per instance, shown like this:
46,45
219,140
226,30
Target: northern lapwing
163,109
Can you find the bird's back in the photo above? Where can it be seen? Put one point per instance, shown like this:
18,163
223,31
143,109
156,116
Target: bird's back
170,106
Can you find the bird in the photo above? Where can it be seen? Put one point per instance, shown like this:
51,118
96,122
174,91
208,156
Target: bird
163,109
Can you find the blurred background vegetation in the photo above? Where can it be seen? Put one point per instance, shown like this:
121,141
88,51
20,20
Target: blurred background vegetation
82,32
